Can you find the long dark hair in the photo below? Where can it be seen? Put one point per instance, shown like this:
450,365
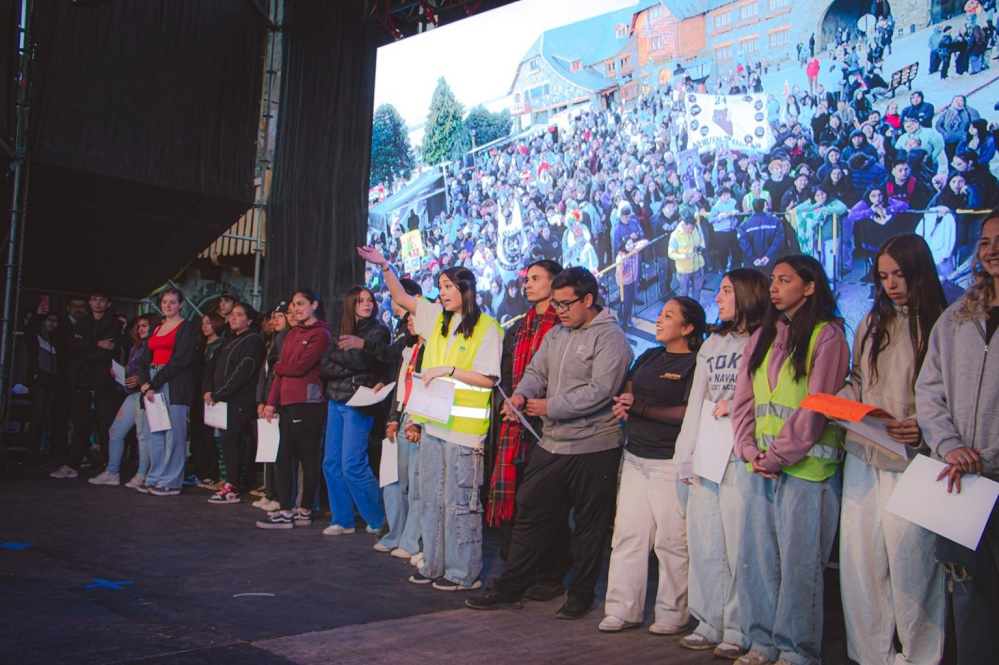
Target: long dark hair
752,295
313,297
693,315
348,326
820,307
218,325
464,280
926,299
154,321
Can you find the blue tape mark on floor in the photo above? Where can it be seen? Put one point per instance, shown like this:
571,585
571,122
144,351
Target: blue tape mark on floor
11,545
100,583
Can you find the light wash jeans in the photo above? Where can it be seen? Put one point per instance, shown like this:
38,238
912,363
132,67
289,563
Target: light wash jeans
889,577
714,524
129,416
788,525
402,499
451,513
349,478
651,515
168,450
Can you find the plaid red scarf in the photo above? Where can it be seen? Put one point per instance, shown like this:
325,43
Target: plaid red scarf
513,437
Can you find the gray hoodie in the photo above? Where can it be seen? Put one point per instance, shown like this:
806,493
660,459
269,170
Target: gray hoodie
957,392
579,371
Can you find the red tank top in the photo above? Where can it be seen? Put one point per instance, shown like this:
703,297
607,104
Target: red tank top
162,345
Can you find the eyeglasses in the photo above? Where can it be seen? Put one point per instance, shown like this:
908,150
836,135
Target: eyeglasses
563,306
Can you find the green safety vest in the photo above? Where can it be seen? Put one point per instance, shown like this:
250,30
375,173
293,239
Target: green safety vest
470,411
774,407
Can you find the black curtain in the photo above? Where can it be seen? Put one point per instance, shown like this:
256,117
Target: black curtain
318,201
10,15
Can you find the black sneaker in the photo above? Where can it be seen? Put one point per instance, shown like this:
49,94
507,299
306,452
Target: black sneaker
574,608
544,591
420,578
494,600
279,520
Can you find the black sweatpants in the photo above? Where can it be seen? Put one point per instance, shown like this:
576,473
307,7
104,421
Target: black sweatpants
86,410
301,432
554,484
240,419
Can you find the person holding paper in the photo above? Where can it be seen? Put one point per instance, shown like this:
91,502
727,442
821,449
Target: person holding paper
791,503
130,412
233,380
651,501
889,580
172,345
296,396
346,366
570,383
714,510
957,399
281,322
205,452
463,347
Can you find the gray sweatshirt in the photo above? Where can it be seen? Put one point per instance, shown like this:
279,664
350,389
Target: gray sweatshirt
957,392
579,371
714,379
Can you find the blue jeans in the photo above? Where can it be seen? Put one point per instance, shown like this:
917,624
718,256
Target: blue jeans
788,525
402,499
168,450
451,517
349,479
129,416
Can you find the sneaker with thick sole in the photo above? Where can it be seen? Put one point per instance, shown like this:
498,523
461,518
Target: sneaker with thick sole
753,658
544,591
259,492
64,472
400,553
142,489
574,608
444,584
494,600
137,481
206,483
372,530
613,624
659,628
106,478
227,494
303,517
267,504
417,560
384,549
696,642
728,651
337,530
164,491
279,520
420,578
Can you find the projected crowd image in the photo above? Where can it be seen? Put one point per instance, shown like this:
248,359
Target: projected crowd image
605,136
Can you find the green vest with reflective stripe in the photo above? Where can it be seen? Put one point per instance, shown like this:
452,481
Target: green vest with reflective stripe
470,411
774,407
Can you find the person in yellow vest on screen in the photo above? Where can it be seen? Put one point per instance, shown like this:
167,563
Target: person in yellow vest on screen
791,502
463,347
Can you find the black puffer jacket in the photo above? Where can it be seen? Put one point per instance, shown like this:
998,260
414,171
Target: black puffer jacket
345,371
233,372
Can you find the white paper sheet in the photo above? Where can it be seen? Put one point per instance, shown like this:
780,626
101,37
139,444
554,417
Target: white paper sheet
217,415
268,440
432,401
714,444
157,413
119,372
366,396
874,428
520,415
921,499
388,470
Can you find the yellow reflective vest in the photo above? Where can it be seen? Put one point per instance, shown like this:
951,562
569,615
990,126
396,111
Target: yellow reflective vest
774,407
470,410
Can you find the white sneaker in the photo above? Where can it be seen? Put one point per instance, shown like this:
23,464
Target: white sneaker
753,658
137,481
378,547
727,650
106,478
612,624
697,642
267,504
337,530
64,472
400,553
416,560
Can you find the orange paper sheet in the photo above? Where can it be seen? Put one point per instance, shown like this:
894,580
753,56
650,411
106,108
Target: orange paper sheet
839,408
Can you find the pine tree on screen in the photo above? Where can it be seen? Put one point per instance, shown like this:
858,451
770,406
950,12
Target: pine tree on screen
391,156
445,133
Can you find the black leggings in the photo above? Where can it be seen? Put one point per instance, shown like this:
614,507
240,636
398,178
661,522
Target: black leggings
301,428
239,419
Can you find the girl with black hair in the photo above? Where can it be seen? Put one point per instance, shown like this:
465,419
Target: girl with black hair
296,395
714,510
651,500
463,347
205,453
232,378
889,580
792,495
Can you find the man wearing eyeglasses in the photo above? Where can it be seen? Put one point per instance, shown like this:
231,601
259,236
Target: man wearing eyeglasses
569,384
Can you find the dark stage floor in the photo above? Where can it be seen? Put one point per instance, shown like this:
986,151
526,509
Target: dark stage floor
106,575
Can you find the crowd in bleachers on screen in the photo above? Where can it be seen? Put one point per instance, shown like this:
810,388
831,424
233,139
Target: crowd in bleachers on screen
519,311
